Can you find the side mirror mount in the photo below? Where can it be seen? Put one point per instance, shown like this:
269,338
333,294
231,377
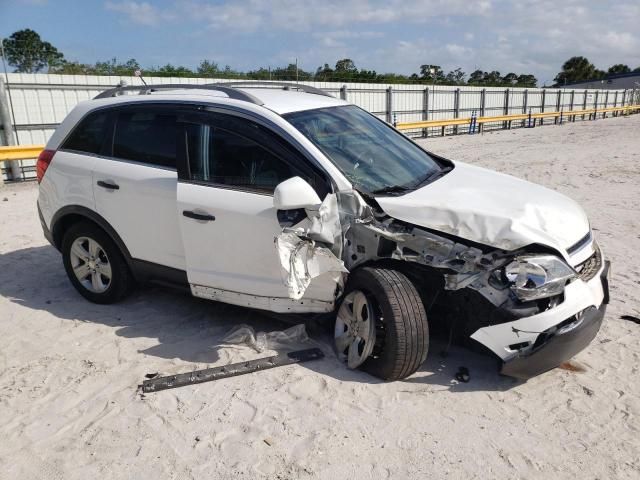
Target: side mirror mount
295,193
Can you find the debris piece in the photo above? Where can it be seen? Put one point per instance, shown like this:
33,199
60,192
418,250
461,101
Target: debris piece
232,370
631,318
462,375
267,441
262,341
5,199
197,439
587,390
151,375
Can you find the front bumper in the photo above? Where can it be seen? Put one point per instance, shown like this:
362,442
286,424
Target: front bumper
557,347
532,345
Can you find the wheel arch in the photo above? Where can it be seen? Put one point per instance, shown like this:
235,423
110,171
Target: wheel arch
69,215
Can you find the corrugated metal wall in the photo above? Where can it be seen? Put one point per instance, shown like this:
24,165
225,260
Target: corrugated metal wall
40,101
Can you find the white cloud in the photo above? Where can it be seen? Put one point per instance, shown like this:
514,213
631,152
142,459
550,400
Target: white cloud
524,37
142,13
296,15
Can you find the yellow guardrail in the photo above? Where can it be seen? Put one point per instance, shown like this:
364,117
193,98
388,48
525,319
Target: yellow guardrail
510,118
20,152
26,152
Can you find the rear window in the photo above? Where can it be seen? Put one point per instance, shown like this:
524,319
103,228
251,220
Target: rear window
147,136
88,136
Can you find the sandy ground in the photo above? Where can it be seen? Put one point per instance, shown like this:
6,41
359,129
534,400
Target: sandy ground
69,370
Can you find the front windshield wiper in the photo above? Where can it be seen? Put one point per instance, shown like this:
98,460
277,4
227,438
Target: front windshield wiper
432,177
392,189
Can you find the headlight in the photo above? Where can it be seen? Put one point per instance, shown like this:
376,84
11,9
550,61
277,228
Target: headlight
538,276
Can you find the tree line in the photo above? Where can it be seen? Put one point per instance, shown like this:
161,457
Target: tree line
28,53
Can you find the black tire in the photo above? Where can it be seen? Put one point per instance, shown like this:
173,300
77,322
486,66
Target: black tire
402,330
122,282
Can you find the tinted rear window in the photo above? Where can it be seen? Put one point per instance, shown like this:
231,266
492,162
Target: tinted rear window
89,134
147,136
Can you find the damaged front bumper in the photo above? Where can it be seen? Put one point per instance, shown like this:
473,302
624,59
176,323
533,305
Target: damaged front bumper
533,345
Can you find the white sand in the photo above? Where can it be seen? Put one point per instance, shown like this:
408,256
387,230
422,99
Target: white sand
69,369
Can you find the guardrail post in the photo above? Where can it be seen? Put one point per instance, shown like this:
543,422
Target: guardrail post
595,105
606,104
615,104
389,112
506,124
525,102
456,108
343,92
558,107
573,96
584,103
483,102
7,130
544,100
425,109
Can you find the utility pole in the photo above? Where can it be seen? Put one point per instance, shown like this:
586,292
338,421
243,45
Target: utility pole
8,117
297,70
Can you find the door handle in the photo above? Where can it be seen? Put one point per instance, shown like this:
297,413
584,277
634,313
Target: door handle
198,216
107,185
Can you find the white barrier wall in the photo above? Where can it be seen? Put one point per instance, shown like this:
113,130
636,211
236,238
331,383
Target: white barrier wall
40,101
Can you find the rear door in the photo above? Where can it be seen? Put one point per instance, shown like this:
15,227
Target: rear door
225,206
135,183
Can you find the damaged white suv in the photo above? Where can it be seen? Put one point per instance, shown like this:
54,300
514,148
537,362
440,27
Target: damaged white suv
284,198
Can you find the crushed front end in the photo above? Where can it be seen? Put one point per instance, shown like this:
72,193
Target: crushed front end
535,344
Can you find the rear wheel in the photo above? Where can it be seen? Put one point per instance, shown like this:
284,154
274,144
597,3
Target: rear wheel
381,326
94,264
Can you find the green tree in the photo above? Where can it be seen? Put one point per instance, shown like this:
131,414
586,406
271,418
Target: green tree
577,69
72,68
437,75
510,79
208,69
28,53
526,80
170,70
113,67
477,77
618,69
456,77
260,74
324,73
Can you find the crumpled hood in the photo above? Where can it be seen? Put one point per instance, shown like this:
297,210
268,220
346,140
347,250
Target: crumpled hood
493,209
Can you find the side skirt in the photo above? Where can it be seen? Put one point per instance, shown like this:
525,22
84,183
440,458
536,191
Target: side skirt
273,304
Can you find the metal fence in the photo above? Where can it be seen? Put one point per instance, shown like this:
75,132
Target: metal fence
36,103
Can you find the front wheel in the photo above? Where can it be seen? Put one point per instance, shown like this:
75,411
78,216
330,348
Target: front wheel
382,325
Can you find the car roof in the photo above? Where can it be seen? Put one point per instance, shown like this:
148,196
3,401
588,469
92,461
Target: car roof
278,100
285,101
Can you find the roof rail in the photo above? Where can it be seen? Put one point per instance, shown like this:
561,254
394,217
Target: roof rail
147,89
285,85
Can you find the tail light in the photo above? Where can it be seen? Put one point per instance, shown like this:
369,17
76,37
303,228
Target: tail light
44,159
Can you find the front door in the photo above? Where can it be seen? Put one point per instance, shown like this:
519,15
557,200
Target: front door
225,209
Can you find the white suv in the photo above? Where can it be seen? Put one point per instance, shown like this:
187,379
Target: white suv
284,198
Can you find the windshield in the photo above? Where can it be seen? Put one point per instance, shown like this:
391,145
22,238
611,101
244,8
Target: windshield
371,154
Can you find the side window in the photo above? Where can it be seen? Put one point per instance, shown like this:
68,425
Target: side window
88,136
146,135
224,157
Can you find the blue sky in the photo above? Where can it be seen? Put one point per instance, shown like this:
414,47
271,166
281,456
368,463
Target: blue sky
392,35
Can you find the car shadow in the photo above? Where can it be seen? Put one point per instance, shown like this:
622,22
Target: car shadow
192,329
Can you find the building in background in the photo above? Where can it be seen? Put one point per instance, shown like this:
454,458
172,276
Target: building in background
612,82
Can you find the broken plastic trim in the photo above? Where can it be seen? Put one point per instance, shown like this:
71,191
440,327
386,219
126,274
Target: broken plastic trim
232,370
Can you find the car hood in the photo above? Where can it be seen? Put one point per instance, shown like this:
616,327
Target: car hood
493,209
